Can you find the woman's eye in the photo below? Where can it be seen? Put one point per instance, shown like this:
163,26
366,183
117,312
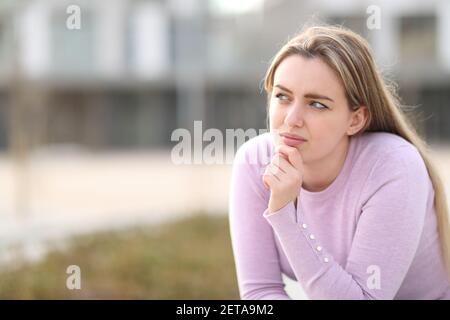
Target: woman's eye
281,96
318,105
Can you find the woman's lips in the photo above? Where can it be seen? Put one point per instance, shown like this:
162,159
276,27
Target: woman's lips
291,140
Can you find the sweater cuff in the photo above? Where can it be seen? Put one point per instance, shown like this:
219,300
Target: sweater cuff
288,212
308,258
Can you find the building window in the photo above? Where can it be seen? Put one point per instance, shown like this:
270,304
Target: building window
418,39
72,50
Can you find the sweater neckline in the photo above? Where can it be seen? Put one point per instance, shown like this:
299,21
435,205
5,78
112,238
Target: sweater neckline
337,183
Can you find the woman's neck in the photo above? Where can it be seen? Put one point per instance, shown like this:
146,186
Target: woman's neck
321,174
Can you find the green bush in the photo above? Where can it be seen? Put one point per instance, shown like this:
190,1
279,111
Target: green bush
187,259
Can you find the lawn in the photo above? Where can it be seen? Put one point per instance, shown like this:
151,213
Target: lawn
187,259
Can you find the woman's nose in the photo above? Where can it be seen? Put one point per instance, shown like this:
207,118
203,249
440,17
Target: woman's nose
295,115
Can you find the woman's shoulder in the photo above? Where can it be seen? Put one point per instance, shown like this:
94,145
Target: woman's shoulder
382,146
387,153
398,176
250,162
257,151
383,142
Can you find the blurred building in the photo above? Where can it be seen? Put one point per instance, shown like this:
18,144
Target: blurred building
137,70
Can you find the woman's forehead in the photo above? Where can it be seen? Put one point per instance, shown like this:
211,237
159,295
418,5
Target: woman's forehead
307,74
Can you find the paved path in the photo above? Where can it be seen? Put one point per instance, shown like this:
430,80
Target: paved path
72,193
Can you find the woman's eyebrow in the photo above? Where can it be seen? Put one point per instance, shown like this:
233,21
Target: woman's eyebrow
317,96
283,88
307,95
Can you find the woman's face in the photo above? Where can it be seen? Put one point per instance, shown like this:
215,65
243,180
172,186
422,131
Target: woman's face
308,100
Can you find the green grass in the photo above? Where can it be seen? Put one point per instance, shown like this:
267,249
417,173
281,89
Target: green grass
188,259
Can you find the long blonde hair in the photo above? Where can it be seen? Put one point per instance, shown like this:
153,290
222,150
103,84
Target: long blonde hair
349,55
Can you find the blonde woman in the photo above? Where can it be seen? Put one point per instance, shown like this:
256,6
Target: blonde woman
340,195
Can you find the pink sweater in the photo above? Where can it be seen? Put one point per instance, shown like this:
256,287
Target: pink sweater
371,234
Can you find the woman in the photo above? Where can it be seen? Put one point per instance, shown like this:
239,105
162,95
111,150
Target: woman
340,195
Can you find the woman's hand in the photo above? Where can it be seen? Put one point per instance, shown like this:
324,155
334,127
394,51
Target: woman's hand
284,177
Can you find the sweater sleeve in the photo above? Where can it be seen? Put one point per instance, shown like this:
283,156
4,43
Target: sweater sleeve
385,241
253,243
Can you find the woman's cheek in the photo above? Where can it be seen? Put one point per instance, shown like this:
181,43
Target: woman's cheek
275,122
273,116
277,116
276,139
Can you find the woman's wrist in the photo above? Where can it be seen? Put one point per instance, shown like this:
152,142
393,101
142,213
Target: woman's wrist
275,206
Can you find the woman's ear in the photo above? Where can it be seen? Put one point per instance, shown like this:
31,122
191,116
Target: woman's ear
359,118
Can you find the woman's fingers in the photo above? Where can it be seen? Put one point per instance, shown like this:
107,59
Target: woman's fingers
279,161
293,155
282,161
269,179
275,170
286,161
